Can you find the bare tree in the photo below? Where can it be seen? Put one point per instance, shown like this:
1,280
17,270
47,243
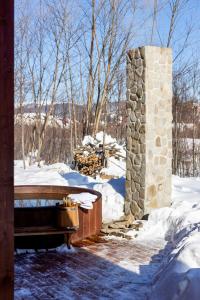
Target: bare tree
21,80
108,44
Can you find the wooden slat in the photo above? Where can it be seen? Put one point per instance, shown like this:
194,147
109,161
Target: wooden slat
79,235
98,215
42,230
35,216
49,191
6,147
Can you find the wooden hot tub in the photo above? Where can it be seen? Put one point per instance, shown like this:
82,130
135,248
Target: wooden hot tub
90,220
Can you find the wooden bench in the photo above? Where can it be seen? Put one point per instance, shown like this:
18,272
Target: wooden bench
38,222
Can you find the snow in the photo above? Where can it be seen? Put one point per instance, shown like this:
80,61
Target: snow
61,174
179,226
115,167
113,192
107,139
99,138
85,199
63,249
88,140
24,292
30,118
181,272
36,203
189,142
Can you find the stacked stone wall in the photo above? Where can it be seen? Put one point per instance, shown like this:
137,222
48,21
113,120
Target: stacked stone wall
136,148
149,131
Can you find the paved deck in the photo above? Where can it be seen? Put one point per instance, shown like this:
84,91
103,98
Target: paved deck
115,269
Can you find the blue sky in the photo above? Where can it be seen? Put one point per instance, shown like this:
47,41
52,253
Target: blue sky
189,17
141,22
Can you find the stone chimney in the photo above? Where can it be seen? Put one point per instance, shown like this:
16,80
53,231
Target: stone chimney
149,131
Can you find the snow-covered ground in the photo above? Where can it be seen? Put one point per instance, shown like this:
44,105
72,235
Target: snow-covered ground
112,190
179,227
189,142
176,228
30,118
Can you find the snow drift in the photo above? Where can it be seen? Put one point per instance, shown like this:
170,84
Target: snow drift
179,225
112,190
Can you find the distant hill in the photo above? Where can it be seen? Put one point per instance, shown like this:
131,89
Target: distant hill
62,110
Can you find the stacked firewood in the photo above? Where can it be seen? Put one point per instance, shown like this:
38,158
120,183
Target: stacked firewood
88,163
91,157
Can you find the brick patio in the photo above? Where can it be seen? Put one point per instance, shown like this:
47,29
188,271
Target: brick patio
113,269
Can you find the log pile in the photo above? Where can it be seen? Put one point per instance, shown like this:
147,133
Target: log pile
91,157
89,161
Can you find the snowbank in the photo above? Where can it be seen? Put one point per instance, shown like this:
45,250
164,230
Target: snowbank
113,192
60,174
101,138
180,276
179,225
115,167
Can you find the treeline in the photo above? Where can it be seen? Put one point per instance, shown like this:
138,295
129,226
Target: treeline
68,52
72,55
186,121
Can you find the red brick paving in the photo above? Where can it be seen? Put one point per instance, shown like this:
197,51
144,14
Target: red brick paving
117,269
